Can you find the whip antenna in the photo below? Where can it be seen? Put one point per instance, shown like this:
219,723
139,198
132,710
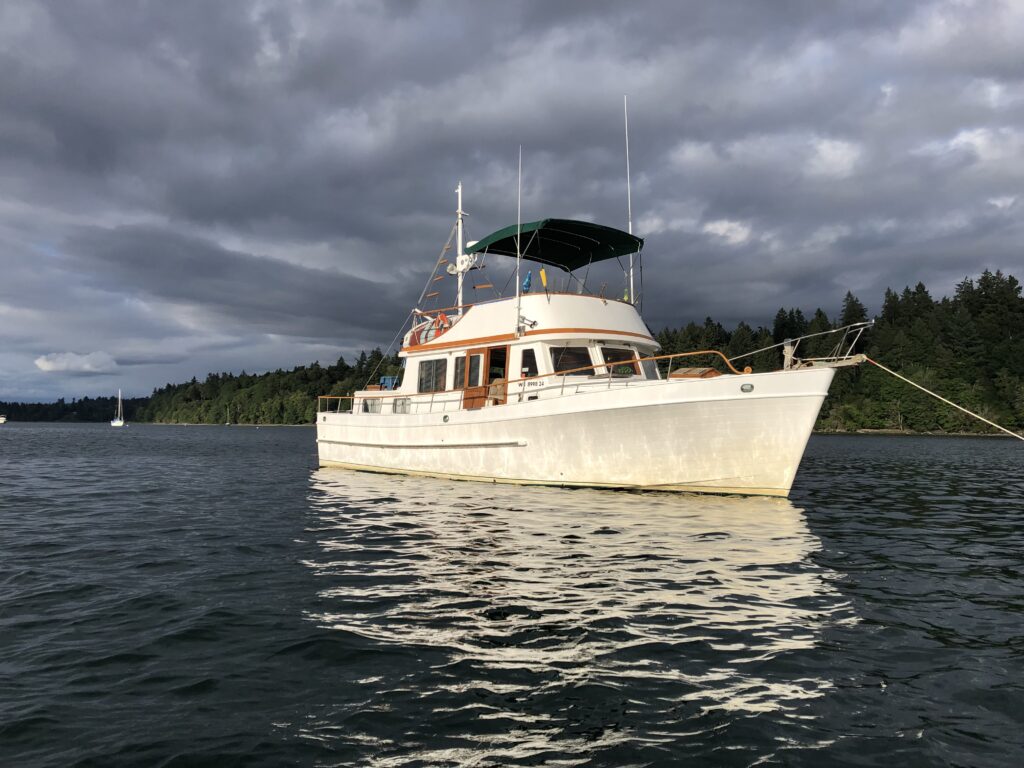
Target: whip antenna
519,253
629,196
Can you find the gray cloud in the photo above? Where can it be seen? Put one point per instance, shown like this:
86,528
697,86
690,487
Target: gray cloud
75,364
244,292
192,186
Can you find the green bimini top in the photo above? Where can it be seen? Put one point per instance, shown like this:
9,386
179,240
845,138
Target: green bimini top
562,243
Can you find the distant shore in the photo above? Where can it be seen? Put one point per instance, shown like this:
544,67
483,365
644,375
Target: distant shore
156,423
904,433
203,424
823,432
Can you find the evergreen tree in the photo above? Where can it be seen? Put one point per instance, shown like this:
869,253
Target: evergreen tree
853,311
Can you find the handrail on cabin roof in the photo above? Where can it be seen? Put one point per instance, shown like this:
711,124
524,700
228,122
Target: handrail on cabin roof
512,298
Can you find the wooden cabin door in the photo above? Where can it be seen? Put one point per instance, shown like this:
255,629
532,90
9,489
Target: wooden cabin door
474,388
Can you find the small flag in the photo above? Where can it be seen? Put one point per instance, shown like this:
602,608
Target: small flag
544,278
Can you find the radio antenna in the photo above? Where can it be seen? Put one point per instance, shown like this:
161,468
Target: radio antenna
519,254
629,197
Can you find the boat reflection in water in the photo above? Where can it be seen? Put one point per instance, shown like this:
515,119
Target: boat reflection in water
678,612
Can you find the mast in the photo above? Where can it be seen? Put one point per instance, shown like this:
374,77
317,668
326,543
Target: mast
629,198
458,243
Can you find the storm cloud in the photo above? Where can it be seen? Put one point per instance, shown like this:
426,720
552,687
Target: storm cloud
197,186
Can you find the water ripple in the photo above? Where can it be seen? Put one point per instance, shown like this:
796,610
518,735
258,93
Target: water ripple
560,616
206,596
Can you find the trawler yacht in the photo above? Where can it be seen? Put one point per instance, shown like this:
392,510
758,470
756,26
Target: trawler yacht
563,387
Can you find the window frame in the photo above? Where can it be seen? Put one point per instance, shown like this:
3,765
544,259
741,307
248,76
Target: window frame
557,354
650,369
432,372
478,359
522,363
611,365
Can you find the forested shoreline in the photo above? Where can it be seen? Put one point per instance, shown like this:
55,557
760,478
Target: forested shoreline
968,347
85,409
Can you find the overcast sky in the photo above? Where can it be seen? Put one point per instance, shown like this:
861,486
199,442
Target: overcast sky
191,186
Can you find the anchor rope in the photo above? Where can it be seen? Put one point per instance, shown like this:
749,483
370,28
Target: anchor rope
940,397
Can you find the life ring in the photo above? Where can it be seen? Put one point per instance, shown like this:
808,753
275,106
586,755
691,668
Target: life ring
442,322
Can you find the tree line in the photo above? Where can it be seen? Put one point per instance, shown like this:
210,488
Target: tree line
86,409
278,397
968,347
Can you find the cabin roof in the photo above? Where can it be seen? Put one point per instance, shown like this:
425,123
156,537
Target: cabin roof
564,243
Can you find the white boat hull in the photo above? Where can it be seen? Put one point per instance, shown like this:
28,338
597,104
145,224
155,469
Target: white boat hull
703,436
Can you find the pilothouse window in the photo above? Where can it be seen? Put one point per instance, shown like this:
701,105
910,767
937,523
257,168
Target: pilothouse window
571,358
432,375
621,361
650,370
528,366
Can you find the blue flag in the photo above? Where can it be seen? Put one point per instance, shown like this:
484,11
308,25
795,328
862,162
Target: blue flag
527,281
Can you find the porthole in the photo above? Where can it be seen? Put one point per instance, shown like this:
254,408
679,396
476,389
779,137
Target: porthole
747,388
445,419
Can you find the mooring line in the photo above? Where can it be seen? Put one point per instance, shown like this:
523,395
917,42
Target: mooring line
940,397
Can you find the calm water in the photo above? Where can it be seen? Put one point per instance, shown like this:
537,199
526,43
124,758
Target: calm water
205,596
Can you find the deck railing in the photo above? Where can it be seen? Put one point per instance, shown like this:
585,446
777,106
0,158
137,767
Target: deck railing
406,402
572,383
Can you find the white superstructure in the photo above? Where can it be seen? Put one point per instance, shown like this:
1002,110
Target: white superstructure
565,389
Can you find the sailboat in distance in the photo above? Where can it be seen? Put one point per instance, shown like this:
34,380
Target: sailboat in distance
118,420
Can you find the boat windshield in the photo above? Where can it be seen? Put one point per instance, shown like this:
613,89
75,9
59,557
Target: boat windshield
621,361
571,358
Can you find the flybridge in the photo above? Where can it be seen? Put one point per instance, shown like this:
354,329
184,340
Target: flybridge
564,243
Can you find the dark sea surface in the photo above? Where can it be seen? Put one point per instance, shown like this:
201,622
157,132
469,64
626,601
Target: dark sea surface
183,596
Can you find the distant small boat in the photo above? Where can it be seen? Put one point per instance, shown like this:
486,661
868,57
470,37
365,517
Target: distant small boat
3,419
118,420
